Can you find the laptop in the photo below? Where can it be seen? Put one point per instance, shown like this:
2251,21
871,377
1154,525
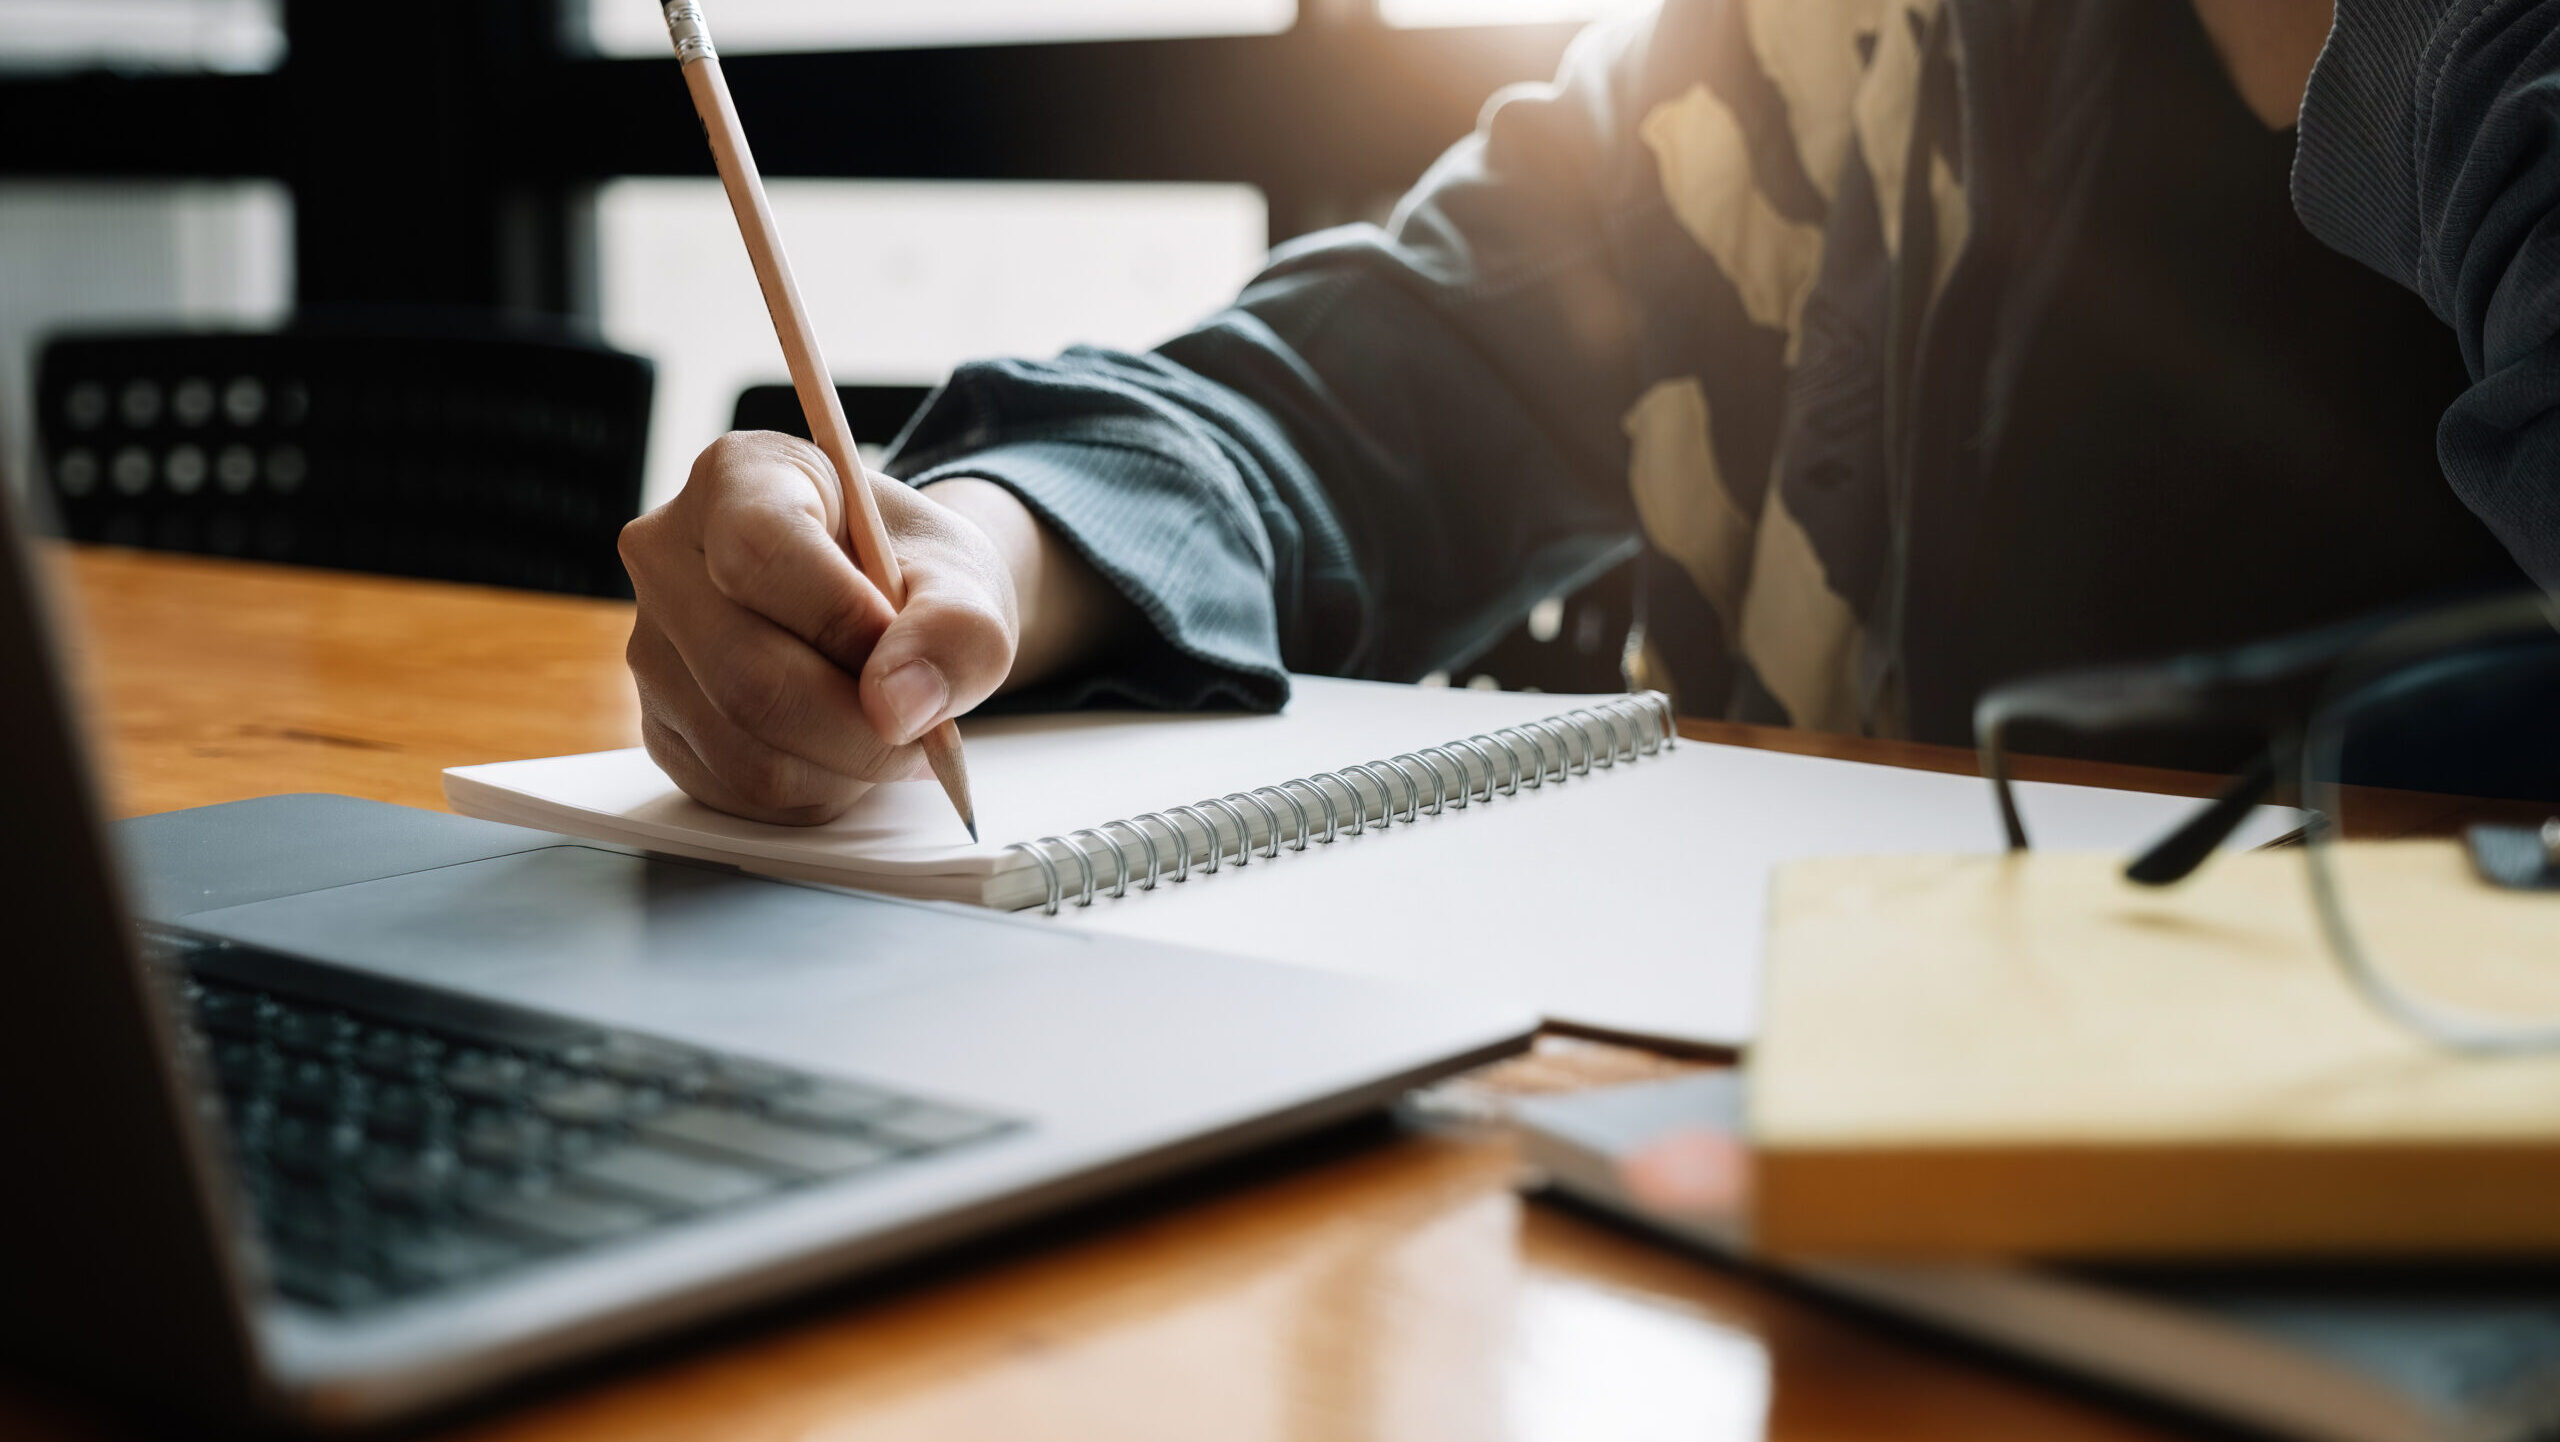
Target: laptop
324,1113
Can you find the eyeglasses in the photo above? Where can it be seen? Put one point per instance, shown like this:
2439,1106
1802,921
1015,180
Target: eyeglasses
2425,752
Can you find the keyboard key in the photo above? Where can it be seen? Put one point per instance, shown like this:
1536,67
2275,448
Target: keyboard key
314,1221
312,1033
407,1111
310,1149
416,1180
491,1076
246,1065
562,1216
337,1288
228,1013
927,1126
834,1104
672,1180
506,1139
393,1051
250,1119
589,1101
579,1053
315,1088
443,1255
645,1061
794,1149
739,1080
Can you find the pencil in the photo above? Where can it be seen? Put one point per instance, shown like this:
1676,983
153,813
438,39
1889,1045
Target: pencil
863,528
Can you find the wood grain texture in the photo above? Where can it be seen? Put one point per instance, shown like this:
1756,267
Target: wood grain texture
1372,1288
210,681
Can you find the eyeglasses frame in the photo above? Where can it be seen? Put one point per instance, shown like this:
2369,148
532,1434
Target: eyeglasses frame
2295,689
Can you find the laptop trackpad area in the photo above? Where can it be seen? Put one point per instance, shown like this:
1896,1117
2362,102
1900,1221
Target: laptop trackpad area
631,940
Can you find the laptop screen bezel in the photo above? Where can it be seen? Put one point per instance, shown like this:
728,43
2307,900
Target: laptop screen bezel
119,1253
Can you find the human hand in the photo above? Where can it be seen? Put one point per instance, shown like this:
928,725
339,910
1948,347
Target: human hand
775,680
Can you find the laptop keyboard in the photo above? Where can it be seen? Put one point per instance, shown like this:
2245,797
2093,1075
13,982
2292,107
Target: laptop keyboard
384,1157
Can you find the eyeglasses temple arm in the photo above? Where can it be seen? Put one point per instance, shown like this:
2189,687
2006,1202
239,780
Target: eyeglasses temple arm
2175,857
1991,725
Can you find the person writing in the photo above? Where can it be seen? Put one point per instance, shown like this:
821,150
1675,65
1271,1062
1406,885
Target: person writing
1902,345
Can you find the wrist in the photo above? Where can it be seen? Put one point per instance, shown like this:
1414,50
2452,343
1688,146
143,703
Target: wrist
1068,614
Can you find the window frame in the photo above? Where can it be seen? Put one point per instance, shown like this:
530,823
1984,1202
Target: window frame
454,165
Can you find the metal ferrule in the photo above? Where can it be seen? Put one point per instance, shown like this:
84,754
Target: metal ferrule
690,32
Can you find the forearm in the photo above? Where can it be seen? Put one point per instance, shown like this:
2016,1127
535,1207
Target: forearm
1069,615
1145,498
2431,151
1394,444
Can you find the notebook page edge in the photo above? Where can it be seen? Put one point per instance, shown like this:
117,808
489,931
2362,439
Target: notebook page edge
492,790
559,793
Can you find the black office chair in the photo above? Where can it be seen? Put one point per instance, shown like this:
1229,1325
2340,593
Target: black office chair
463,455
1572,644
876,413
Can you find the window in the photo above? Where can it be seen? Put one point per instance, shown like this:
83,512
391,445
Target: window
630,27
216,35
104,253
904,280
1418,14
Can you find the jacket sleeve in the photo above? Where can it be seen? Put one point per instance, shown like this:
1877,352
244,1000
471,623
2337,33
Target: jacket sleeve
2430,150
1393,444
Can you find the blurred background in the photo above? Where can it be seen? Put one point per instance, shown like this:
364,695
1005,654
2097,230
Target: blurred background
225,226
965,177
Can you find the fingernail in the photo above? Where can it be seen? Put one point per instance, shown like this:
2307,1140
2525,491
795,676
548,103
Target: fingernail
915,693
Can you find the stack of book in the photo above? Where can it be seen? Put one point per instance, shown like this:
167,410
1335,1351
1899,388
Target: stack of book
2150,1135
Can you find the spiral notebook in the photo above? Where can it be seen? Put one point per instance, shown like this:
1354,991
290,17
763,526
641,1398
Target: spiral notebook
1562,850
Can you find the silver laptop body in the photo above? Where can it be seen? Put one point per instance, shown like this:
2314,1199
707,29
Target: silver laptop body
667,1090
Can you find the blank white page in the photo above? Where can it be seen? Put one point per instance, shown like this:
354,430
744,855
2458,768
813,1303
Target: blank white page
1629,901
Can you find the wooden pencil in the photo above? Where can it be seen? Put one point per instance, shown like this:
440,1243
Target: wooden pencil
863,528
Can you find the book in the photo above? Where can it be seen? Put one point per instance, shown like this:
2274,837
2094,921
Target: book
1587,863
2323,1354
2029,1056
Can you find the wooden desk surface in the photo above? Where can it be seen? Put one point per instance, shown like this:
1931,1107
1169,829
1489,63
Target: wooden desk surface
1384,1288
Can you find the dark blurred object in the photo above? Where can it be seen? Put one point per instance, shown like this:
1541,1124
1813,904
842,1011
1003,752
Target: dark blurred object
876,413
499,458
1574,643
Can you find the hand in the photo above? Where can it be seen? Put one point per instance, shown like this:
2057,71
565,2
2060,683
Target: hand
775,681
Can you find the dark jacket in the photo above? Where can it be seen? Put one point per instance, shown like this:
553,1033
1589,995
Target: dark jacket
1904,344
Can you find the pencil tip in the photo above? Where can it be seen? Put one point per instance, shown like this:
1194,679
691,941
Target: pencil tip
951,768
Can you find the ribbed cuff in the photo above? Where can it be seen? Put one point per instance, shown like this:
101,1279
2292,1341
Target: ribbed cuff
1136,518
2355,169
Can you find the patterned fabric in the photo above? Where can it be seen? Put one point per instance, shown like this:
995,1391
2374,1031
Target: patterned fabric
1731,294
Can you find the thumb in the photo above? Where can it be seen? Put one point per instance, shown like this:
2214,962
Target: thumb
945,652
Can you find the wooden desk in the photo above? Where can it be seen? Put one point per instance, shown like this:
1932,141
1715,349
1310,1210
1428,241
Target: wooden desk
1392,1287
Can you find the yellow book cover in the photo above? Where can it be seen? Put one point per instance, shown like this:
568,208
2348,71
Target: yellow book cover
2026,1055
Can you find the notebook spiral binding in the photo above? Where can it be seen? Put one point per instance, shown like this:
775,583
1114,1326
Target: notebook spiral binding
1637,726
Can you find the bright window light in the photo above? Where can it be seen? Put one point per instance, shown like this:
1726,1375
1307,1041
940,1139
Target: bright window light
1416,14
75,254
904,280
232,36
633,27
